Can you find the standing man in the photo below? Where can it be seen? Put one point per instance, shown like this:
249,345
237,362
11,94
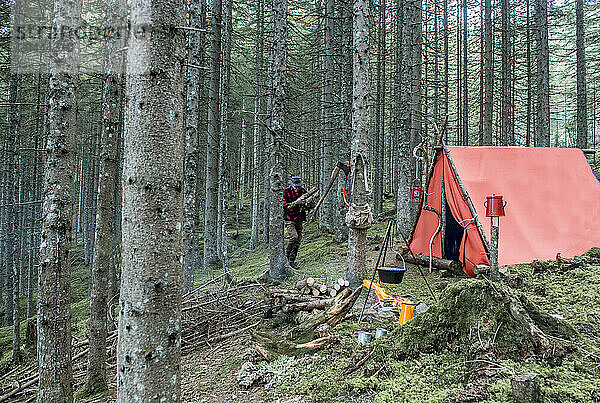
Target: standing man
294,214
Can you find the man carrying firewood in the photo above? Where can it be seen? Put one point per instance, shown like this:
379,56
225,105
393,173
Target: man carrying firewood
296,202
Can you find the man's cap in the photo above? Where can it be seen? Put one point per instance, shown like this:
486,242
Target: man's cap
296,181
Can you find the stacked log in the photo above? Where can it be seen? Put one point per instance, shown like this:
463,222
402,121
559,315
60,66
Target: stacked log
311,286
294,301
307,295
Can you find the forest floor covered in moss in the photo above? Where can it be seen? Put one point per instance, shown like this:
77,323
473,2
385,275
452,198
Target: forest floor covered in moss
466,347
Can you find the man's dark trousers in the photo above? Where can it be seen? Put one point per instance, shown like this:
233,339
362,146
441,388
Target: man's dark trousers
294,230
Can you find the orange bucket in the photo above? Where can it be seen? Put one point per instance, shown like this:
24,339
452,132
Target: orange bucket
407,312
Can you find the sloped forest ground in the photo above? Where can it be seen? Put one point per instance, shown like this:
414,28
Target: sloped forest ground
466,347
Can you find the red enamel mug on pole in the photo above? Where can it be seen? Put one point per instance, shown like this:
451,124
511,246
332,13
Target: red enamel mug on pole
494,206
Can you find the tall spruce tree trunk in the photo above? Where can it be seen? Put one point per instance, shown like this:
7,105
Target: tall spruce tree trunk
481,74
397,77
54,281
465,108
326,219
116,16
191,215
224,169
528,73
542,126
505,106
257,132
277,264
379,114
211,253
360,137
242,179
345,114
582,126
11,217
149,349
202,119
488,75
416,34
404,154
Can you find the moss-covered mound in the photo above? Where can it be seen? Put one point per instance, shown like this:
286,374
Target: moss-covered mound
474,317
592,256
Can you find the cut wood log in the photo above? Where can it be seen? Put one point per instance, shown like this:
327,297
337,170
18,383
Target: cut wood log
437,263
276,292
322,288
318,343
332,292
18,389
310,281
301,284
292,299
308,305
315,292
306,197
346,283
341,282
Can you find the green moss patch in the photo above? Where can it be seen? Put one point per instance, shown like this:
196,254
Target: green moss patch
475,316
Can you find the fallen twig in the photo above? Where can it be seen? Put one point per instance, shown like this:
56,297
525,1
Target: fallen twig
356,366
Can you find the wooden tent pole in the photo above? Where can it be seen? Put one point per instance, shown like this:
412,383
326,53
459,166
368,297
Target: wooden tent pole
438,149
425,189
486,243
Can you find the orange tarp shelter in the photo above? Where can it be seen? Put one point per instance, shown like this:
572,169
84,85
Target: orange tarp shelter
553,204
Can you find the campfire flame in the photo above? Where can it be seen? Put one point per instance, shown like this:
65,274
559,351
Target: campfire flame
405,306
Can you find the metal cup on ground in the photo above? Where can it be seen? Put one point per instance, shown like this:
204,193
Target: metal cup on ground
362,337
380,332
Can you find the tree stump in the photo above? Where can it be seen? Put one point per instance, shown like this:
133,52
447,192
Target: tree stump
526,388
